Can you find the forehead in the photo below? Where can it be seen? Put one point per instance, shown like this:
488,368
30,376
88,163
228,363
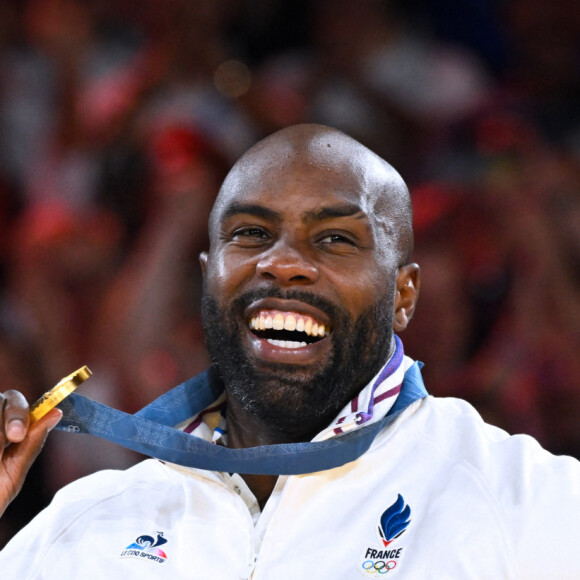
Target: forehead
323,171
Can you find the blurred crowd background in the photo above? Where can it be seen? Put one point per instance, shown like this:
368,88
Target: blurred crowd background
119,119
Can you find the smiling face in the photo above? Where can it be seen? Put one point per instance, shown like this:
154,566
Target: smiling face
304,281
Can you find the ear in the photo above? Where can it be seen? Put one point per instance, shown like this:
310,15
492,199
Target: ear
408,282
203,262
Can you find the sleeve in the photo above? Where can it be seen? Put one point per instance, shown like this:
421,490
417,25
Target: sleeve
540,498
25,554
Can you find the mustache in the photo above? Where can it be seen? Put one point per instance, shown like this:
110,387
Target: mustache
332,310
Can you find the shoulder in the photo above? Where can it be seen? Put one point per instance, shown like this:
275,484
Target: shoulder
78,510
110,482
459,428
534,494
103,491
456,430
108,487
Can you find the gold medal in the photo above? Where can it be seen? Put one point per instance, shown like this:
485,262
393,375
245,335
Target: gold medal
60,391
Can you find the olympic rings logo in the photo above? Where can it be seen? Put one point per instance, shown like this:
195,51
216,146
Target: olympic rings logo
378,567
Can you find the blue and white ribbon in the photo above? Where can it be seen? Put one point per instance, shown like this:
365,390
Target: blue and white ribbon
151,431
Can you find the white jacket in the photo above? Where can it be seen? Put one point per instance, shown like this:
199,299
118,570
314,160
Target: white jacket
482,505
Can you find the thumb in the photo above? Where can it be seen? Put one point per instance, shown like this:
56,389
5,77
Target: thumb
19,457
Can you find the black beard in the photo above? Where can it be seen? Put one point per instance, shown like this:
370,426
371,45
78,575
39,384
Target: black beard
297,398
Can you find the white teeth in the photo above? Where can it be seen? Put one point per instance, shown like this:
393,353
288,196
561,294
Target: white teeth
286,343
289,322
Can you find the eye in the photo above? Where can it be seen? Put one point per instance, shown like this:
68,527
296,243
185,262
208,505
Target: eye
249,232
250,235
332,239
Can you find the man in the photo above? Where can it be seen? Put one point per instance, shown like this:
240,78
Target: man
307,277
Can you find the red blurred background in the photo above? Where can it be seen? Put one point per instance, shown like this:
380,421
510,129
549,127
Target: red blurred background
119,120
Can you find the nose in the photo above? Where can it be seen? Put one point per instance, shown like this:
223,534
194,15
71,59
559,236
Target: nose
287,265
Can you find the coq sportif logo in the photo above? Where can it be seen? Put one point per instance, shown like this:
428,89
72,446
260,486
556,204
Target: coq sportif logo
147,547
384,557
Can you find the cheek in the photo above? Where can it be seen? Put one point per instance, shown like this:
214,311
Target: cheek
220,275
358,292
225,273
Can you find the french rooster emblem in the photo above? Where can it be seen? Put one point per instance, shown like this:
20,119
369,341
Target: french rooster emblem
150,544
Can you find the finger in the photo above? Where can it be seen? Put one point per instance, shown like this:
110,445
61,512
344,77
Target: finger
17,458
15,420
49,421
25,452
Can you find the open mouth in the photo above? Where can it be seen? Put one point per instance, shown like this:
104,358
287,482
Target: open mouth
287,329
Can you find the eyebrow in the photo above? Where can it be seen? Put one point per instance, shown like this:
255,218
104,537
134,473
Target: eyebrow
334,211
238,208
324,213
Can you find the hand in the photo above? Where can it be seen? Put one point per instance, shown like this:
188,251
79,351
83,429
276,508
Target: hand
20,442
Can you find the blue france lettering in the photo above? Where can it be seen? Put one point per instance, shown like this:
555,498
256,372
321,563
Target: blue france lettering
383,554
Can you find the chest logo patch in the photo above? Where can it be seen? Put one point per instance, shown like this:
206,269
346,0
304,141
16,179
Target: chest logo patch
384,557
147,547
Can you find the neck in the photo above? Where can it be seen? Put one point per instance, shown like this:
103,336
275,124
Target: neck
247,430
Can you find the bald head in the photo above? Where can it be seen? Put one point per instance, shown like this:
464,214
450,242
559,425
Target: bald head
308,226
302,151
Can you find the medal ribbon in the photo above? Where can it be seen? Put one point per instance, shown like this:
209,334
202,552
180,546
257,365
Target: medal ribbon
151,431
